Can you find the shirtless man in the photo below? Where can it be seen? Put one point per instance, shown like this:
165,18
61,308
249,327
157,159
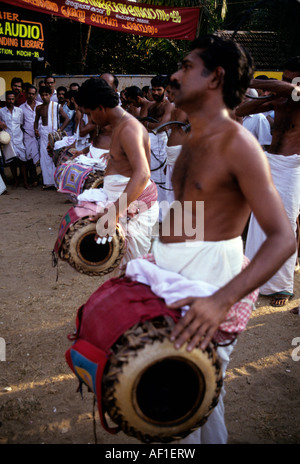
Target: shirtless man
284,159
49,113
159,110
231,178
127,176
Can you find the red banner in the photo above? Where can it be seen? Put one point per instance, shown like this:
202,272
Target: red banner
121,16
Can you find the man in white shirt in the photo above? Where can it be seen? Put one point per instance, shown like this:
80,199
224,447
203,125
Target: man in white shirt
30,142
258,124
11,120
51,83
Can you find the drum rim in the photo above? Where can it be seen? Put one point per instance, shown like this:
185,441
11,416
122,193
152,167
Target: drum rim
114,398
89,269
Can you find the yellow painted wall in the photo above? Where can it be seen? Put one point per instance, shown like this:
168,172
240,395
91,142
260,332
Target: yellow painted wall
275,74
6,77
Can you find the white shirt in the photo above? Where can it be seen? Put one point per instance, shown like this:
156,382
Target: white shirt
13,120
29,117
259,126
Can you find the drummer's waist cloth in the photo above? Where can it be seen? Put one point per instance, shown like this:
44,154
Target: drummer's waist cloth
286,176
180,271
138,220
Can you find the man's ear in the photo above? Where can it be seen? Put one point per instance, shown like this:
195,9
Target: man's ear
217,77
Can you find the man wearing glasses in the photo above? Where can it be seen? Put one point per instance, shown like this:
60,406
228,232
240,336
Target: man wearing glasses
50,82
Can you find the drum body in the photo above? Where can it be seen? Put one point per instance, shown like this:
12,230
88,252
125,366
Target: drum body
72,178
156,393
121,351
78,247
62,155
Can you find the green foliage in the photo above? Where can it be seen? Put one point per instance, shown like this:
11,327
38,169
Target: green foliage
121,53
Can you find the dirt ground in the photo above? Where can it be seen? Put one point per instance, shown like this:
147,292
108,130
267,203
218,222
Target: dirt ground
38,399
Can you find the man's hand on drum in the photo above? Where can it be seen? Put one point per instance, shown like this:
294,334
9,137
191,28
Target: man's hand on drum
105,156
199,324
76,153
106,223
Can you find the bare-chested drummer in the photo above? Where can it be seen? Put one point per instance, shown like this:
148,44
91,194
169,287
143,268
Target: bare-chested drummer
127,176
222,165
284,160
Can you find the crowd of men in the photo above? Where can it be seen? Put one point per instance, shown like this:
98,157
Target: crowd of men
205,156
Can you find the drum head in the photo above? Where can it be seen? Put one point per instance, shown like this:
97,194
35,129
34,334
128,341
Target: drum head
4,137
156,393
82,252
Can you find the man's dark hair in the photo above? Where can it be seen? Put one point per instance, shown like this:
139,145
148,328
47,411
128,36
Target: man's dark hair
49,77
293,64
133,92
96,92
71,93
61,88
233,58
15,80
74,84
159,81
30,86
9,92
45,89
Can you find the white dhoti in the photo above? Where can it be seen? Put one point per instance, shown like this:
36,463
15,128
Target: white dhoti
286,176
138,230
158,145
31,147
47,165
172,155
2,185
214,264
8,152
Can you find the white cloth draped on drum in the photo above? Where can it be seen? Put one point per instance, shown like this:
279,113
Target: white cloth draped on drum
213,263
138,229
47,165
158,161
286,176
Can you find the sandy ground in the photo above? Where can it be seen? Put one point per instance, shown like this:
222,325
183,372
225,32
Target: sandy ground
38,399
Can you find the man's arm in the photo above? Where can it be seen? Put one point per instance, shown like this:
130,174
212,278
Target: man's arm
65,118
166,117
36,121
132,142
279,89
85,128
131,139
251,170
